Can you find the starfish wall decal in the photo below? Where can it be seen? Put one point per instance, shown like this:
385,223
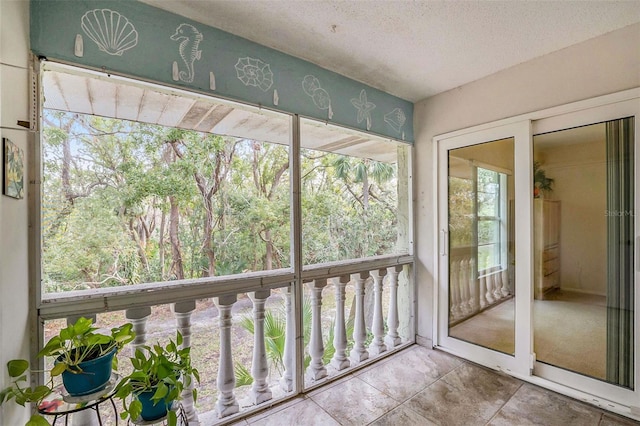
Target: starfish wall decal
364,108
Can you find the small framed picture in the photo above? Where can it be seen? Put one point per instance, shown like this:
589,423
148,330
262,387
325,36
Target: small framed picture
13,177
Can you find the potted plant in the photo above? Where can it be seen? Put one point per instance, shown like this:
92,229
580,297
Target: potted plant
83,357
540,181
160,374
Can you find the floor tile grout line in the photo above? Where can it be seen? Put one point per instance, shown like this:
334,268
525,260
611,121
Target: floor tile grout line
394,406
276,407
325,411
415,393
505,403
419,414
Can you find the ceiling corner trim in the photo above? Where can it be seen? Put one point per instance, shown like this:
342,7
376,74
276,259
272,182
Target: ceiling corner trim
131,38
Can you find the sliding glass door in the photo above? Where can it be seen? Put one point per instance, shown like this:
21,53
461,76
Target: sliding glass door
538,248
585,233
478,306
481,285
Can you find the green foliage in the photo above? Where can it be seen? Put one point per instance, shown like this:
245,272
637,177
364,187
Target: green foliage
540,179
274,335
163,370
461,212
126,203
78,342
243,375
74,344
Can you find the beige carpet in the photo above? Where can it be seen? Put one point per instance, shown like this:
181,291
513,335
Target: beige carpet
569,331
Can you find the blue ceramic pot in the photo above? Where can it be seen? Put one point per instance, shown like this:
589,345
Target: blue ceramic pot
94,376
151,411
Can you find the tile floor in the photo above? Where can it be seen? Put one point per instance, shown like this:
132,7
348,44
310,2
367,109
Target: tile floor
419,386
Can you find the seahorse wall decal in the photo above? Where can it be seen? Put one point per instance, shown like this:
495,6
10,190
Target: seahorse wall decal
189,38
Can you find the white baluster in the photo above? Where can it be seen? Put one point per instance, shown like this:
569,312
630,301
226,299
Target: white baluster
377,346
466,274
340,360
83,418
316,369
472,288
505,283
183,312
474,299
359,352
286,382
226,404
482,290
260,391
497,285
138,317
454,287
488,290
392,339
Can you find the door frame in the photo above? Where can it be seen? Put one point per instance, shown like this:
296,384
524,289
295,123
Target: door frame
593,391
519,363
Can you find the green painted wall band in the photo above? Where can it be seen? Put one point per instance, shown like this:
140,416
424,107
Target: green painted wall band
132,38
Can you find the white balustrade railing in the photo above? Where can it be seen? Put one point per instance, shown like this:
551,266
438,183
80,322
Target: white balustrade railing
377,345
183,312
288,358
343,294
359,353
472,292
316,369
340,361
227,403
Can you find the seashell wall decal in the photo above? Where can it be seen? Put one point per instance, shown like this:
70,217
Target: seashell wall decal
310,84
254,72
112,32
395,119
321,98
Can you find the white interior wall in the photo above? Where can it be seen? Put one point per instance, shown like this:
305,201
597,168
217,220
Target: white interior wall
580,183
14,292
606,64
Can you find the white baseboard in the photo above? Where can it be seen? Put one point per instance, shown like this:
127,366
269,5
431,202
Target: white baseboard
424,341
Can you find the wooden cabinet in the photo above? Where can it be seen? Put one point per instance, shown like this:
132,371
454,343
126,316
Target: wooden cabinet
546,246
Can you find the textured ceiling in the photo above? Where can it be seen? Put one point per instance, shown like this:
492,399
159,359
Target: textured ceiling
412,49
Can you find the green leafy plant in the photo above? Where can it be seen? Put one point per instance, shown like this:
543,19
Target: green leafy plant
274,335
164,370
74,344
540,180
243,375
78,342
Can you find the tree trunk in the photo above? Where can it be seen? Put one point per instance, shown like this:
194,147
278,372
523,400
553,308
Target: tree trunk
207,239
135,236
365,191
268,261
161,244
66,165
174,220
